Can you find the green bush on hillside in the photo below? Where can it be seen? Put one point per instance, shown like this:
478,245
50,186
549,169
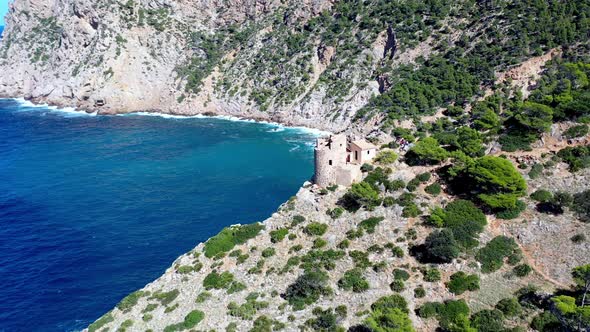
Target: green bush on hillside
354,280
386,157
461,282
307,289
370,224
316,229
278,235
230,237
463,218
493,254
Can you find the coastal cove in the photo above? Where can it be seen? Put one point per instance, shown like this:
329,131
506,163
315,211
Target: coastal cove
95,207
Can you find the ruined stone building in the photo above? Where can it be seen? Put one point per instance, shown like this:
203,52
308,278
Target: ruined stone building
338,160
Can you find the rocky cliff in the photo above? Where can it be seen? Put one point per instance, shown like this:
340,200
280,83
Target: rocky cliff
141,55
319,63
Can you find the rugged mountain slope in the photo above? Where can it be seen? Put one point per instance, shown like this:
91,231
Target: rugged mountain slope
314,62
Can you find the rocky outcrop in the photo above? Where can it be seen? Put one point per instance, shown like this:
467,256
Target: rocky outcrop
124,57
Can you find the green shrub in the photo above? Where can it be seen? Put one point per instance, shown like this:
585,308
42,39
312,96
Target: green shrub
236,287
510,307
493,254
397,285
441,246
388,201
315,228
576,157
546,322
512,213
578,238
397,252
522,270
380,266
367,168
431,274
461,282
298,219
419,292
581,205
399,274
542,196
230,237
354,280
268,252
184,269
386,157
448,313
126,324
488,320
231,327
165,298
321,259
307,289
389,320
495,182
192,319
395,185
278,235
423,177
369,224
130,301
264,324
319,243
426,151
341,311
218,281
433,189
428,310
99,323
150,307
411,211
344,244
413,184
248,309
203,296
576,131
536,171
335,213
360,259
463,218
325,320
360,195
406,199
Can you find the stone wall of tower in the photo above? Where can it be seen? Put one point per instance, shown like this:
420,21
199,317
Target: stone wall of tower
330,158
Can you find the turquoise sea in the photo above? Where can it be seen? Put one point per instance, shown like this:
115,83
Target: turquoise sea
95,207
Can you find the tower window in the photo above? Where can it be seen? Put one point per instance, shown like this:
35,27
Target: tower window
330,162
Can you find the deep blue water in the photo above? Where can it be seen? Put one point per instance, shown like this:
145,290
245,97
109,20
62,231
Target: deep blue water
95,207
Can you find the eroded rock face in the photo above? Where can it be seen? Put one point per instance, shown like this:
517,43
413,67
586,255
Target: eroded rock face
126,55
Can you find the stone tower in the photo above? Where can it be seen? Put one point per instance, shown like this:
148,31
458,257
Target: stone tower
332,162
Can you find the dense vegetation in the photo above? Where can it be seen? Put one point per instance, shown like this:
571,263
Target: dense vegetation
230,237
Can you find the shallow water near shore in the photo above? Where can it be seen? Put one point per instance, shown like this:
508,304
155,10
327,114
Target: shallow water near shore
95,207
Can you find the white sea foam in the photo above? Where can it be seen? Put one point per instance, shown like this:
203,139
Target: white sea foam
277,127
68,112
72,112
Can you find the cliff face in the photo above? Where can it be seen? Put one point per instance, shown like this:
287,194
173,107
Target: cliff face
295,62
319,63
138,56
